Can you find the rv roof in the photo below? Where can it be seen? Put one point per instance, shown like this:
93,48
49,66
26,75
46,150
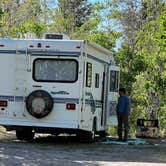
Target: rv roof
12,44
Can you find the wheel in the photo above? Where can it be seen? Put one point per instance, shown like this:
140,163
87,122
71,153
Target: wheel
85,136
94,127
25,134
102,134
39,103
88,136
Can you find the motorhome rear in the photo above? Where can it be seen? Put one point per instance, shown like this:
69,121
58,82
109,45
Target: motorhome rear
57,86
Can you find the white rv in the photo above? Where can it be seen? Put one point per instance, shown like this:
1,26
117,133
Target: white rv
57,86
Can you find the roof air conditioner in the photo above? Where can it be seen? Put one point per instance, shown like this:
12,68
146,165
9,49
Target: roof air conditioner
56,36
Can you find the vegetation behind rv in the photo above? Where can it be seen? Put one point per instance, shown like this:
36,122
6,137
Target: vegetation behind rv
138,28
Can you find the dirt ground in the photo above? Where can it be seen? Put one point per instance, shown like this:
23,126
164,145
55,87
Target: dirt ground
64,151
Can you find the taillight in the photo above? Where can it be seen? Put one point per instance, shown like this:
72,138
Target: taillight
31,46
78,47
71,106
3,103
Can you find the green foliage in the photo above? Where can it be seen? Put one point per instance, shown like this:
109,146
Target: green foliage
162,115
131,65
140,24
71,18
18,18
78,19
112,130
61,24
142,57
105,38
78,10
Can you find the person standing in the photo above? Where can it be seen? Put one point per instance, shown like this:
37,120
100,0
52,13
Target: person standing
123,109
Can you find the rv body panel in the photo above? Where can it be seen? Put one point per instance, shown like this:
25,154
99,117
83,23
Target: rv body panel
74,73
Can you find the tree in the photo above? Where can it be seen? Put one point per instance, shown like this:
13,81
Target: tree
8,19
106,38
154,46
79,10
142,56
70,16
20,17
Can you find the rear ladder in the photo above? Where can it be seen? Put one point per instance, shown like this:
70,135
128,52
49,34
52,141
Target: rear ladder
20,87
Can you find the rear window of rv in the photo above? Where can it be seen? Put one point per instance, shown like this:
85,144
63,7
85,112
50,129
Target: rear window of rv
55,70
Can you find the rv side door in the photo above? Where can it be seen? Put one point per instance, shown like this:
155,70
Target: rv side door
113,88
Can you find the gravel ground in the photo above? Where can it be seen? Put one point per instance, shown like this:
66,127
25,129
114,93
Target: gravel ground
65,151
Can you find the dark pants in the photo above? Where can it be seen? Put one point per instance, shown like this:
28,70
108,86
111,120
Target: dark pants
123,122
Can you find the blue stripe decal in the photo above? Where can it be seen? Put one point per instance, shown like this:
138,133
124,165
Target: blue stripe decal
56,100
40,52
64,100
10,98
98,103
53,53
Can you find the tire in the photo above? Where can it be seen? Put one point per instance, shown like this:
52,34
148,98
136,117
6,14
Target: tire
85,137
25,134
103,134
88,136
39,103
94,127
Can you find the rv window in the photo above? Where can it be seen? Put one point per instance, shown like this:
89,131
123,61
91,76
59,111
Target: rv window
97,80
88,74
55,70
114,81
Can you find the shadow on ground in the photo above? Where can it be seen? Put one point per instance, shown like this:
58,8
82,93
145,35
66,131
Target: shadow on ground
52,150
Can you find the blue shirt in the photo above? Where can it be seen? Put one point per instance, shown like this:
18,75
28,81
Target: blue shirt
123,105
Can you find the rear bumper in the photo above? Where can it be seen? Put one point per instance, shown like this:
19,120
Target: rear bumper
14,123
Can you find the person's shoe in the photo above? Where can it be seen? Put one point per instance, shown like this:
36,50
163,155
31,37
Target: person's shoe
124,140
120,139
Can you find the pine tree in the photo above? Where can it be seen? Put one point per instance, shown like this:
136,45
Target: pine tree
79,10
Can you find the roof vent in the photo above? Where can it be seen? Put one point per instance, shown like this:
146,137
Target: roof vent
56,36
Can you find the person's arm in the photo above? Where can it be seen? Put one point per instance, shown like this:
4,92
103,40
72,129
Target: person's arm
127,104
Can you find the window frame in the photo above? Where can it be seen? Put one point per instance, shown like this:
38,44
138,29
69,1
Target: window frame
97,80
87,75
53,81
116,81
